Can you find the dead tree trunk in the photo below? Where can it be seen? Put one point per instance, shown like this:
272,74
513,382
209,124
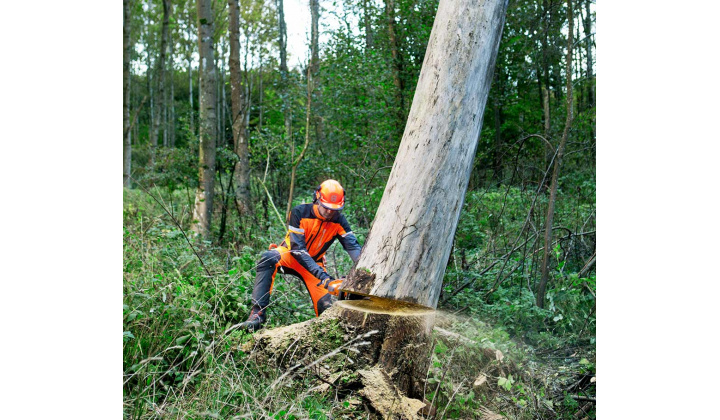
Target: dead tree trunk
540,297
407,249
241,172
206,184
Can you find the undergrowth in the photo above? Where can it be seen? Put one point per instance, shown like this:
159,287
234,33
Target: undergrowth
182,357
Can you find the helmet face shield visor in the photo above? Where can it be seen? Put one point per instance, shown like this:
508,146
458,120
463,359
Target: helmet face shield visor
333,206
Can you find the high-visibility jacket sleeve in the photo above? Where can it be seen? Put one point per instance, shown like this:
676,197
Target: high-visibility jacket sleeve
348,240
298,248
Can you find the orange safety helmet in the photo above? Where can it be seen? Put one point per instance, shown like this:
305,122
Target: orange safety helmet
331,195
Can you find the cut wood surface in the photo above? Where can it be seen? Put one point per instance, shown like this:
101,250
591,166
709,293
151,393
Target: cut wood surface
406,251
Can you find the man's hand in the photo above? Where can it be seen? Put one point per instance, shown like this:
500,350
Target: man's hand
332,285
324,283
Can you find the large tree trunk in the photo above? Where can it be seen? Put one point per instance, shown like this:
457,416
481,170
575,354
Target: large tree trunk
241,171
540,297
127,149
407,249
404,257
204,195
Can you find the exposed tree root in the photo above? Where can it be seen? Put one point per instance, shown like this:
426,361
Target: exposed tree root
382,355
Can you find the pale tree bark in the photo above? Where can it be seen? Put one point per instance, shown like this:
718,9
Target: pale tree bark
368,25
587,28
403,260
397,64
540,296
408,246
261,91
171,101
241,172
404,257
314,35
207,122
160,72
127,148
188,56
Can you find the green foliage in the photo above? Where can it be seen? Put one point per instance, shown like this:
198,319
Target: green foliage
175,315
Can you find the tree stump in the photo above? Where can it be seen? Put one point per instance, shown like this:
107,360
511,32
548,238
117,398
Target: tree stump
377,346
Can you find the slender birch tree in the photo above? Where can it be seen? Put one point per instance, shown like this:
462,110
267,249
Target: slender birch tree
241,171
127,148
540,296
207,121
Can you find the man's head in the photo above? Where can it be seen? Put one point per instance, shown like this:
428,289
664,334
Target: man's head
330,197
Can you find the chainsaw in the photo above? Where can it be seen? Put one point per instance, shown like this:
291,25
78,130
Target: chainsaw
333,286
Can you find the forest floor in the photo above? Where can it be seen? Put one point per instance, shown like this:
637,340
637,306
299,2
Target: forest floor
183,359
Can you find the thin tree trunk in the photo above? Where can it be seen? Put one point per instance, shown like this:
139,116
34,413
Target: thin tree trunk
171,101
314,35
546,60
127,148
315,67
241,171
540,297
296,163
160,71
587,27
172,109
218,104
149,79
261,93
408,246
205,192
190,77
368,26
396,63
497,161
287,114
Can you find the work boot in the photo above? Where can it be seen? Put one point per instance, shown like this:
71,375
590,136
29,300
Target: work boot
254,321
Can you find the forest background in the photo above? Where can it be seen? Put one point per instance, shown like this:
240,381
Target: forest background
650,323
226,155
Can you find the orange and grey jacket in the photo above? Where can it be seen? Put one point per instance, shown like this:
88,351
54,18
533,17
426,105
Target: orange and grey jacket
310,236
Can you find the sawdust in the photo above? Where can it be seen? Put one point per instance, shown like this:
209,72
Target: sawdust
376,305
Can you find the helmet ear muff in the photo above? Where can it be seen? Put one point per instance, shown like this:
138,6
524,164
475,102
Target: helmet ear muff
316,196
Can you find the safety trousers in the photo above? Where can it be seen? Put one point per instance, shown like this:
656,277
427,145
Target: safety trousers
281,258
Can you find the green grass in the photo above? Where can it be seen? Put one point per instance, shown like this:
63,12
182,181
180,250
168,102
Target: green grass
180,360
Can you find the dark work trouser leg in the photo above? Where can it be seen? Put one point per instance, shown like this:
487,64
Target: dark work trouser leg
266,268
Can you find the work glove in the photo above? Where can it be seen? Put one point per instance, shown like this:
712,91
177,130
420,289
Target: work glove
324,283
